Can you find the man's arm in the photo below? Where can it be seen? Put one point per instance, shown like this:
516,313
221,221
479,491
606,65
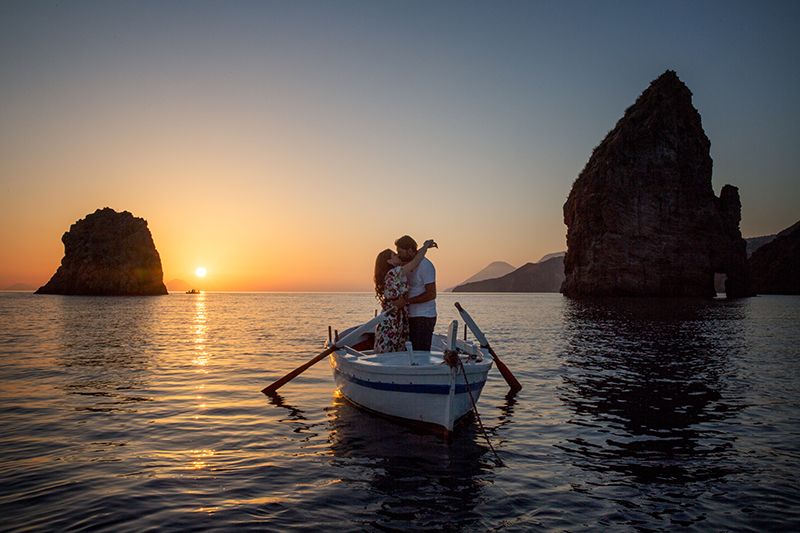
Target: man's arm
420,255
427,296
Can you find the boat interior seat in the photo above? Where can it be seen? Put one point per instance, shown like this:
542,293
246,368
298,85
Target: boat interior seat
367,342
353,351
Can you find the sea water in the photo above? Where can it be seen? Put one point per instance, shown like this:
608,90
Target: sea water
134,413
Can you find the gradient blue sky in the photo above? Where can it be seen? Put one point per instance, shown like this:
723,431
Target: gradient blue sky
283,144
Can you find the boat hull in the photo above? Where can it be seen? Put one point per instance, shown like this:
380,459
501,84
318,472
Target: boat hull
413,386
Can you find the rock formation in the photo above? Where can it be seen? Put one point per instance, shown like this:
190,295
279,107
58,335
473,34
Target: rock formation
775,266
546,276
642,217
110,254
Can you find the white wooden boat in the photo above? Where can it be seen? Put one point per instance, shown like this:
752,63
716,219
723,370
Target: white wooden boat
416,386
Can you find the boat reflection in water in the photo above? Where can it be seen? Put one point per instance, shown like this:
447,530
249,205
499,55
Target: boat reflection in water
650,383
417,479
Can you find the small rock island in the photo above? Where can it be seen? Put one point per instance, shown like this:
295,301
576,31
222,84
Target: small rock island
642,217
108,254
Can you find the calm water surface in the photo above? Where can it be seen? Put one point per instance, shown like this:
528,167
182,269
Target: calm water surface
136,413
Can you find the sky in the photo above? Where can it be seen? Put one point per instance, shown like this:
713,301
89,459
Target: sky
283,144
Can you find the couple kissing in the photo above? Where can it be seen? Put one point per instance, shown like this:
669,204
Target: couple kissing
405,286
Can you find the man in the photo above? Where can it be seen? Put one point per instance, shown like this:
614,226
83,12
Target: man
421,295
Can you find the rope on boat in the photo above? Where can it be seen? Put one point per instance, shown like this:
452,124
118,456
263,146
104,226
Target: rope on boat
452,359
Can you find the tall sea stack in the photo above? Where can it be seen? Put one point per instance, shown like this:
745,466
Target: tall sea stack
108,254
642,217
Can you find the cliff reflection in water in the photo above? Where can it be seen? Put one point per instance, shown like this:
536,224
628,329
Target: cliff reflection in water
102,346
651,383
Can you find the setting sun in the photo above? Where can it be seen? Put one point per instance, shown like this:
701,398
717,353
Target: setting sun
200,272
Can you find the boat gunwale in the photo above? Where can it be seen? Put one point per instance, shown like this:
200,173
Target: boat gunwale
439,369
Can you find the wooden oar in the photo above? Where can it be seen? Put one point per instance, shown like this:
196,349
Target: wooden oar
345,340
507,375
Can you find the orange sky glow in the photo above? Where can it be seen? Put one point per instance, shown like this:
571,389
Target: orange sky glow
283,145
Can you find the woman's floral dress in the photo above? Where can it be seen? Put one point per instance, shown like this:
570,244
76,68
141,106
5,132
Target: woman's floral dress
392,333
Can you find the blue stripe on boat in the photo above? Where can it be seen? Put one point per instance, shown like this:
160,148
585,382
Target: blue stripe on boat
410,387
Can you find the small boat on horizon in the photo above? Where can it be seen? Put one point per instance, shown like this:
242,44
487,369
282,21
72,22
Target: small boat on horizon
194,291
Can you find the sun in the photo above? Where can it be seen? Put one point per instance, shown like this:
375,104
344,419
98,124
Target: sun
200,272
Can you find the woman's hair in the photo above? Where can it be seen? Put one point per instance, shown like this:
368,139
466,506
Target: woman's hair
382,266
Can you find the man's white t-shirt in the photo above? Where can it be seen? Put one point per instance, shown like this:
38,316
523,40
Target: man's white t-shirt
417,279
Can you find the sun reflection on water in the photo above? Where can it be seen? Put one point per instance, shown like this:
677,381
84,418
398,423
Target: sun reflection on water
200,459
200,330
201,359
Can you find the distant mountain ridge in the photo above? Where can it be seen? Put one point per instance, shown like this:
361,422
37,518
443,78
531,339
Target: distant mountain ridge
177,285
495,269
545,276
754,243
775,266
19,287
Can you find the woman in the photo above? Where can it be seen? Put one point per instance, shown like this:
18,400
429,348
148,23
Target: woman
391,288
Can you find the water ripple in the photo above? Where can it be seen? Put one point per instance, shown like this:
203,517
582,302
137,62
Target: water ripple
145,413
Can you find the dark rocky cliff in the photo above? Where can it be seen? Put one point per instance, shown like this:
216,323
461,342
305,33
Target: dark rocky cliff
110,254
642,217
775,266
546,276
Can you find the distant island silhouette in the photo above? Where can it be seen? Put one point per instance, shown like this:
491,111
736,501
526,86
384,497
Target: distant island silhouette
19,287
544,276
493,270
108,254
178,285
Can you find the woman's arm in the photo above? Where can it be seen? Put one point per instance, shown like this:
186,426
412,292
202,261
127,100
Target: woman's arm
414,263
